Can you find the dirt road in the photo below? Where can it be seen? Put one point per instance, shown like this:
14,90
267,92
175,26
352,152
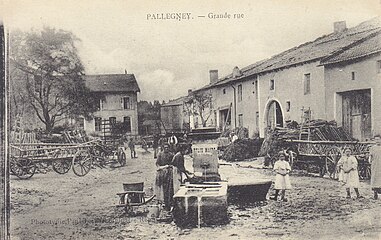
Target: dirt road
53,206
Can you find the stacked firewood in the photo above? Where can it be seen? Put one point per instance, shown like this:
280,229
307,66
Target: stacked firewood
322,130
317,130
275,140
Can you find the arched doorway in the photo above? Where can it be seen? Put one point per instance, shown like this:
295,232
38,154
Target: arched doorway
274,115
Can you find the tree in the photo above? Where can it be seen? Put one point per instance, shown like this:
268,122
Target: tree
148,111
199,104
52,75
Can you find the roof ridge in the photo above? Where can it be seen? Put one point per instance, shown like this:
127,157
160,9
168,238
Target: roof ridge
109,74
351,45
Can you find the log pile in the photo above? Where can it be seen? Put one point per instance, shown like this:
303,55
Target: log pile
242,149
275,140
317,130
326,131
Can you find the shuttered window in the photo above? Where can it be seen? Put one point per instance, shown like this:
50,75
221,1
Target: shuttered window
307,83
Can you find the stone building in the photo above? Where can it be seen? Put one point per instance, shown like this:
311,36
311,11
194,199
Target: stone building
334,77
117,95
173,115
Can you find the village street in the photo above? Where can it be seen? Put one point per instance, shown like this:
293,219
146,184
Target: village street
53,206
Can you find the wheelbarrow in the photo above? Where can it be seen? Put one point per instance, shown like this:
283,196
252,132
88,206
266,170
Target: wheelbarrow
133,196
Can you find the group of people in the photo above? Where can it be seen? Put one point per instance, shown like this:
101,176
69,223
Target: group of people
348,173
170,174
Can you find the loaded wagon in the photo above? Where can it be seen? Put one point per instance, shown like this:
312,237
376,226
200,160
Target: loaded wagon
326,154
317,143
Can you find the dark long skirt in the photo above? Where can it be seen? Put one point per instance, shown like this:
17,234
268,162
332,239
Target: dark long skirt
164,186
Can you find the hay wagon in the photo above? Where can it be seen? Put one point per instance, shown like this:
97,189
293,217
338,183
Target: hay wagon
326,154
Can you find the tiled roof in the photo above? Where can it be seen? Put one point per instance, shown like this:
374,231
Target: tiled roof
112,83
356,39
368,46
175,102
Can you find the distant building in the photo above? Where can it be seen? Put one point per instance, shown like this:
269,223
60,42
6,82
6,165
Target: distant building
150,127
173,115
334,77
117,95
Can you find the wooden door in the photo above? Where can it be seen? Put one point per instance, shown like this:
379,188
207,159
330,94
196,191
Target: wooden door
357,114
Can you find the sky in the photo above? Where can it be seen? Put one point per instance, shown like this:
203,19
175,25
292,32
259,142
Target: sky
170,56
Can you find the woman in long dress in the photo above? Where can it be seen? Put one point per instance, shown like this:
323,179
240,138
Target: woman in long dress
375,161
164,177
179,169
348,172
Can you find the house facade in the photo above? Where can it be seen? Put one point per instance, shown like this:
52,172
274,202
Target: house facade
173,115
335,77
117,94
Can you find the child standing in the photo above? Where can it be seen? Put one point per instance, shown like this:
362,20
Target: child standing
282,178
348,172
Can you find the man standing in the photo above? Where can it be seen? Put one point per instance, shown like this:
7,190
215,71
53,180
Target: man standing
155,145
131,145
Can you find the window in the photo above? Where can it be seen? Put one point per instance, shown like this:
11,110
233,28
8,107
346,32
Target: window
353,76
100,106
379,66
126,103
288,106
256,88
272,84
240,120
127,124
240,93
98,124
224,91
112,120
307,83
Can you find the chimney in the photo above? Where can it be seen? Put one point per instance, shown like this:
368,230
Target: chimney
125,71
213,76
340,26
189,91
236,72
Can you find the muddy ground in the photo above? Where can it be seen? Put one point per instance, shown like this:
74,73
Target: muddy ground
53,206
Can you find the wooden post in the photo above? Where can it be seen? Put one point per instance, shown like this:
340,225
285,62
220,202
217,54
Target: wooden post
4,121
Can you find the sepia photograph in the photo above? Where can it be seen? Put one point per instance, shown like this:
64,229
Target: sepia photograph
249,119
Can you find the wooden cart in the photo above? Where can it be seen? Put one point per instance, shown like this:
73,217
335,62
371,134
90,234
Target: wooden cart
326,154
25,157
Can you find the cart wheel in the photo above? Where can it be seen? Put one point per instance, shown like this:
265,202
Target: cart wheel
24,168
364,171
331,160
122,158
13,166
81,163
61,166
